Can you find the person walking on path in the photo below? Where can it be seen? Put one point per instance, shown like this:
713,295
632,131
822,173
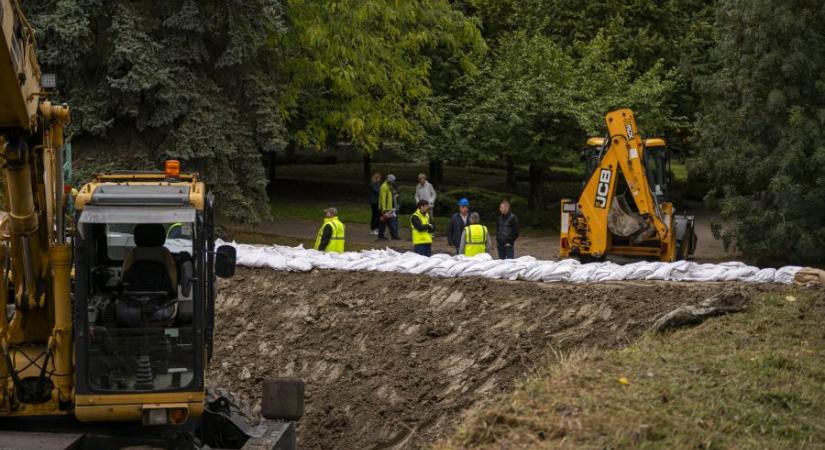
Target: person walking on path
457,223
375,192
425,191
475,239
422,229
387,203
331,235
506,231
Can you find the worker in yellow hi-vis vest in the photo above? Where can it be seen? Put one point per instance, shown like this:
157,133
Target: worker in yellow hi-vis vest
331,235
422,229
475,239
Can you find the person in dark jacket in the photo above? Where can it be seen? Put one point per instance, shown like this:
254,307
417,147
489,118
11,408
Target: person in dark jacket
458,222
375,190
506,231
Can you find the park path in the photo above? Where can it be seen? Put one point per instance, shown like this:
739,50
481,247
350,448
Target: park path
540,245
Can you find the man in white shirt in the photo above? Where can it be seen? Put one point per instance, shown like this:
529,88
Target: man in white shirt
425,191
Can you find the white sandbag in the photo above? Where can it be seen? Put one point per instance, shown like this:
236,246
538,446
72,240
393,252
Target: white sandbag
526,268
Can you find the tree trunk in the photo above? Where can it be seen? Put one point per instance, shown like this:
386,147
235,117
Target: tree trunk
536,199
436,172
270,172
511,171
367,168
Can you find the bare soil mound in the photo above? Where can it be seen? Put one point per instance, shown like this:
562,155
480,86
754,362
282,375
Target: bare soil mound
391,360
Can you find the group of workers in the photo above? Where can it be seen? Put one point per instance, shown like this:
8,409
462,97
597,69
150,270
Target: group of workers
464,232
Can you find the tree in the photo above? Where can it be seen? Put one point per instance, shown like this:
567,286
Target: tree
359,70
189,80
762,128
535,101
674,33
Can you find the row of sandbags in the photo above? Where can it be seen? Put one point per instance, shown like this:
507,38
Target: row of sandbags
525,268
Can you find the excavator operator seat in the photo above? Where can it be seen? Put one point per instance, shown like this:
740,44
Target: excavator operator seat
150,280
149,266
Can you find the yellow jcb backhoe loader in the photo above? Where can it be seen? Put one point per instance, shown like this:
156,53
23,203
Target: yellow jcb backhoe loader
107,314
624,208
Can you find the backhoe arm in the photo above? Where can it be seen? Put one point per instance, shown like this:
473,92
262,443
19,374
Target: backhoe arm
624,152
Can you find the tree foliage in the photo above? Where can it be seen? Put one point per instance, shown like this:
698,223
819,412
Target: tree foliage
192,78
762,128
536,102
360,70
673,33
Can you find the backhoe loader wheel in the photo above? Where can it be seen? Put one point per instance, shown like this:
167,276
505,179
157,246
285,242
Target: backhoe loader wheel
586,259
687,245
236,403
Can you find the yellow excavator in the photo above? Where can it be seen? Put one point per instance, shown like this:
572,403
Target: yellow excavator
107,308
625,209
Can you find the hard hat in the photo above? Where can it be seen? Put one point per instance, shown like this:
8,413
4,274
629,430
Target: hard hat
463,202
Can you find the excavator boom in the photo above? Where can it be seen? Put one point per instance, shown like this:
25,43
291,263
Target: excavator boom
19,70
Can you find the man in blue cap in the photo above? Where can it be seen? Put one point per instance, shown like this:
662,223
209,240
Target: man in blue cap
458,222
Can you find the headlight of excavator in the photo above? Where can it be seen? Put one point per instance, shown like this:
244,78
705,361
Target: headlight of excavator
164,416
155,416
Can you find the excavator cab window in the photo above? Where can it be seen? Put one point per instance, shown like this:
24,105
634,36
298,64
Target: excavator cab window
656,160
139,304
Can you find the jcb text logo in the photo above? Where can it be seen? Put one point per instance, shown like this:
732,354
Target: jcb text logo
603,188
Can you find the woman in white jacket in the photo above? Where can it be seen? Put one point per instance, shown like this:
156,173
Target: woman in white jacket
425,191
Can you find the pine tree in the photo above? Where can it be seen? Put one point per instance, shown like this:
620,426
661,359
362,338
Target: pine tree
763,126
191,80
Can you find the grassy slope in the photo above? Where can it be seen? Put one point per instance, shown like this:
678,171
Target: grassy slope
752,380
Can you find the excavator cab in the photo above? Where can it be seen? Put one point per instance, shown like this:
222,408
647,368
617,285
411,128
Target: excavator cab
145,273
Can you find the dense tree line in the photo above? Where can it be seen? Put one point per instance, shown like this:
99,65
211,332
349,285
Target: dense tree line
189,80
761,128
222,84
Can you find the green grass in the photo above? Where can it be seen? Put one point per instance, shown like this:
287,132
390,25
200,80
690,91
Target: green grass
752,380
406,173
349,212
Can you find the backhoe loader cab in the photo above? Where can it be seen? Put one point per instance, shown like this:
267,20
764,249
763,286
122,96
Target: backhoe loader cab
625,207
656,162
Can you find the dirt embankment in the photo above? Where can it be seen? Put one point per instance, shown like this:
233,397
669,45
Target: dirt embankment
392,360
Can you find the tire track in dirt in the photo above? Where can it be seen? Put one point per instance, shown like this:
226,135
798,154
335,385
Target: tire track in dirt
392,360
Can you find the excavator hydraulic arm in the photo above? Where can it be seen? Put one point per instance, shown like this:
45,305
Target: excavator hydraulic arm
19,70
36,258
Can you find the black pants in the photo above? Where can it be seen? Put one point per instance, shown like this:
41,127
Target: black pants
375,215
423,249
506,251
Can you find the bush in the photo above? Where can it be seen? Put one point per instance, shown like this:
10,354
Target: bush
406,199
483,201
